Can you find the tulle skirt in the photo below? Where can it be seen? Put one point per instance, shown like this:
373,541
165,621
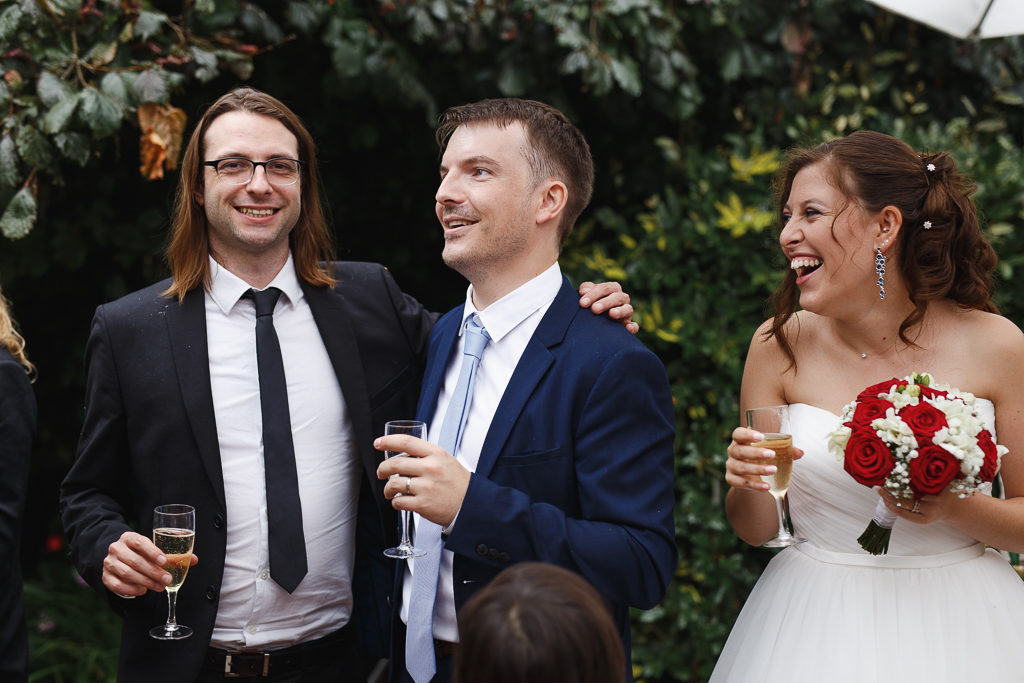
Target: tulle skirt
820,616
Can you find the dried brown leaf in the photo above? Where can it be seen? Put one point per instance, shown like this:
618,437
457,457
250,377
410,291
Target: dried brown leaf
153,154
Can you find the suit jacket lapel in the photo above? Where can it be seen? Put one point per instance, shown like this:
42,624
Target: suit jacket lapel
532,367
186,326
339,337
447,336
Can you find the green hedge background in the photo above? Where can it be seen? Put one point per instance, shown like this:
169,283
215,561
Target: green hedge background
687,106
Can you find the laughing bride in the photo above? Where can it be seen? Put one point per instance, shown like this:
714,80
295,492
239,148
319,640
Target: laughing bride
939,606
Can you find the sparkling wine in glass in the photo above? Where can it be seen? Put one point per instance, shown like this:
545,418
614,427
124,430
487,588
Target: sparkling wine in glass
773,422
417,429
174,532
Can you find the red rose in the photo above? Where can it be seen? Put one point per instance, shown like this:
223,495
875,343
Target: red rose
867,459
870,409
988,447
924,420
881,388
932,470
928,392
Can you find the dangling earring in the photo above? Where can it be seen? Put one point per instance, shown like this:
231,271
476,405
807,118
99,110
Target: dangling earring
880,269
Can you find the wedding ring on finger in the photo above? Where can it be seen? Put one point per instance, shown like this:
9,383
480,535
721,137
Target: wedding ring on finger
408,483
917,507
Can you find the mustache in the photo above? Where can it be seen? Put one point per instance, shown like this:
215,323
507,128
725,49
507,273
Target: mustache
458,212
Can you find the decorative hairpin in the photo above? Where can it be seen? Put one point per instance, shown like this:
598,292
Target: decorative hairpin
927,225
930,167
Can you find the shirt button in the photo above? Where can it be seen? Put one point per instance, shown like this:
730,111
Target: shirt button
264,574
252,630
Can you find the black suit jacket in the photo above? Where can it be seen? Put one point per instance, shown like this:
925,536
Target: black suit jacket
150,438
17,429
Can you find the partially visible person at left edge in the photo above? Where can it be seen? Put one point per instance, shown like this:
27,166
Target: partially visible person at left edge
17,430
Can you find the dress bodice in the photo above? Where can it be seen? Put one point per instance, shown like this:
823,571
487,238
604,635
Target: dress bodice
831,510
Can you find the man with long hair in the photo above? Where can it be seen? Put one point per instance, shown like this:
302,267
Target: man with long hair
550,432
250,386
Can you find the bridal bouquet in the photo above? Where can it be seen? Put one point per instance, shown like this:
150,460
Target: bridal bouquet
915,437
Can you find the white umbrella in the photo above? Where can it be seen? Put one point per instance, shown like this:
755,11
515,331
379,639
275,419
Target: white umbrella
963,18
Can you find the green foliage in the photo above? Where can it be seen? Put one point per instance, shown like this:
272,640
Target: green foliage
73,637
688,108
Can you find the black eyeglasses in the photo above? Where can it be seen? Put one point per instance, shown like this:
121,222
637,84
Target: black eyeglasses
239,170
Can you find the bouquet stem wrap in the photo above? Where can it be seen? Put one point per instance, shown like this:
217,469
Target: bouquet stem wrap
875,538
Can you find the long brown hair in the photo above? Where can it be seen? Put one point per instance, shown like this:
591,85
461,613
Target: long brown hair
538,623
557,148
10,338
949,260
310,239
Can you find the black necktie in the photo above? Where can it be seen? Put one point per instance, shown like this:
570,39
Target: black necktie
284,510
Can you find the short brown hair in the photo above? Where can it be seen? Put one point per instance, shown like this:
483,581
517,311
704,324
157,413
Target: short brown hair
310,239
557,149
538,623
11,339
949,260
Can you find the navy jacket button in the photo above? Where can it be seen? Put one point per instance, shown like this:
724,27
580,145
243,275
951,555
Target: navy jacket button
218,522
481,549
504,558
492,554
211,593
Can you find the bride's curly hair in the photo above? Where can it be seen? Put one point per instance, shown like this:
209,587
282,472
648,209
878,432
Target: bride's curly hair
950,260
10,339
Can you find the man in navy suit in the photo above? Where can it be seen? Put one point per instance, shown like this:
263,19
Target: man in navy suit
554,428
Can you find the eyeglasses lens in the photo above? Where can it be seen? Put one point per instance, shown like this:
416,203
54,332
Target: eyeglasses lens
240,171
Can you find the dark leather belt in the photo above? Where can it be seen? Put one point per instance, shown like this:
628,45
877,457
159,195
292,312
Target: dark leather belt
252,663
443,647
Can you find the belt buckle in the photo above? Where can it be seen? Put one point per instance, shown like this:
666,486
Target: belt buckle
227,663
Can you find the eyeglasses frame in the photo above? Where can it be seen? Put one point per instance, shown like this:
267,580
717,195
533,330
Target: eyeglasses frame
213,164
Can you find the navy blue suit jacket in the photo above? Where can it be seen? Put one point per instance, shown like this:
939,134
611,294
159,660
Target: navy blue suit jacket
577,466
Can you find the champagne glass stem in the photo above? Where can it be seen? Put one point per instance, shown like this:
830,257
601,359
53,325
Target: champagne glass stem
782,523
172,618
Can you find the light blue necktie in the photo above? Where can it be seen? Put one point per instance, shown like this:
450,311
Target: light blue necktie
419,639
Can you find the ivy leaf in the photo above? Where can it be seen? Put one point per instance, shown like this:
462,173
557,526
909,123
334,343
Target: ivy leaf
5,93
302,16
114,84
151,86
51,89
9,175
102,53
149,23
74,146
347,59
59,117
100,111
205,6
627,75
65,7
259,24
33,147
20,215
206,65
9,21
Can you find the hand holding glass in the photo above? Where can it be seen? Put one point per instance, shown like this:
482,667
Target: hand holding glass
773,422
174,533
405,549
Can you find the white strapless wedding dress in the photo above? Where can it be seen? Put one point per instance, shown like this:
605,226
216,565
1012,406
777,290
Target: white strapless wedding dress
938,608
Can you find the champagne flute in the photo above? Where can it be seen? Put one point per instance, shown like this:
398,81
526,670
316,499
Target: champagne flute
774,423
174,532
417,429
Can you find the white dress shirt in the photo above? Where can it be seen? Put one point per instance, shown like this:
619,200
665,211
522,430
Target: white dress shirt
510,321
254,611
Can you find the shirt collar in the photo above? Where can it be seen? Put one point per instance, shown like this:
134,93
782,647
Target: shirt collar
505,314
226,288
